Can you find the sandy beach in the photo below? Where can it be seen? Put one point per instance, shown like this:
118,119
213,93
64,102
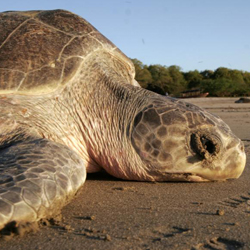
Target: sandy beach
109,213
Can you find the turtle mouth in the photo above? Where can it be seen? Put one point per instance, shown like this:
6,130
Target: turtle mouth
184,177
197,178
205,145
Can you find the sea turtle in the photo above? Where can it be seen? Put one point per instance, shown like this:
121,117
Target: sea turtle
69,104
243,100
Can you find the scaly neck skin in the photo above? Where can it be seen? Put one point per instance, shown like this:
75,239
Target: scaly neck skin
102,114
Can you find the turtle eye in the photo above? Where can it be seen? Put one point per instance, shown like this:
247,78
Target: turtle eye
208,145
205,145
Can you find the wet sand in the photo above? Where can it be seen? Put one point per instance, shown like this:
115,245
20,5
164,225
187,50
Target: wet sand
113,214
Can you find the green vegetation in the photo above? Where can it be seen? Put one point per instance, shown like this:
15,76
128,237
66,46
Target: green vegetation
221,82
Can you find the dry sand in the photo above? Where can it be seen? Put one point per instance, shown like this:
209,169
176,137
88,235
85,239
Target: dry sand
113,214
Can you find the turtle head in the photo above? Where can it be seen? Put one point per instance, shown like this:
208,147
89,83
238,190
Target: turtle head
177,141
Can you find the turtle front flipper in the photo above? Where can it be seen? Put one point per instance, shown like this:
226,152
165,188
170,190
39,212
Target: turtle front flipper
37,178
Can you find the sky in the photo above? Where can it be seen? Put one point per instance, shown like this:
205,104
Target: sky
193,34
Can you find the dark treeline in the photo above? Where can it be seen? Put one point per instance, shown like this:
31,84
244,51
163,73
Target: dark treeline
221,82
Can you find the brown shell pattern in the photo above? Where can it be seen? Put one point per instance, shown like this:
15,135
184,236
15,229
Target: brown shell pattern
40,51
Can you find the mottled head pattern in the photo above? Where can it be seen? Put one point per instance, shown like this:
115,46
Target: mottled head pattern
186,142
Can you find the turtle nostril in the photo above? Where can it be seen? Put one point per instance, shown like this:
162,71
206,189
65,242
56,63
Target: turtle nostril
241,146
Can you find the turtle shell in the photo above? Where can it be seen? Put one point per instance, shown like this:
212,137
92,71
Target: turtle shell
40,51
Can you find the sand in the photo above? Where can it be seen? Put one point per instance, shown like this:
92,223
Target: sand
113,214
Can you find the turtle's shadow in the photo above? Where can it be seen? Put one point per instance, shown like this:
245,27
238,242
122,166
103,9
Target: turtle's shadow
102,176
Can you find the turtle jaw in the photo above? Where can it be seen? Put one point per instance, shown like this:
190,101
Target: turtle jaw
222,162
229,165
180,177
